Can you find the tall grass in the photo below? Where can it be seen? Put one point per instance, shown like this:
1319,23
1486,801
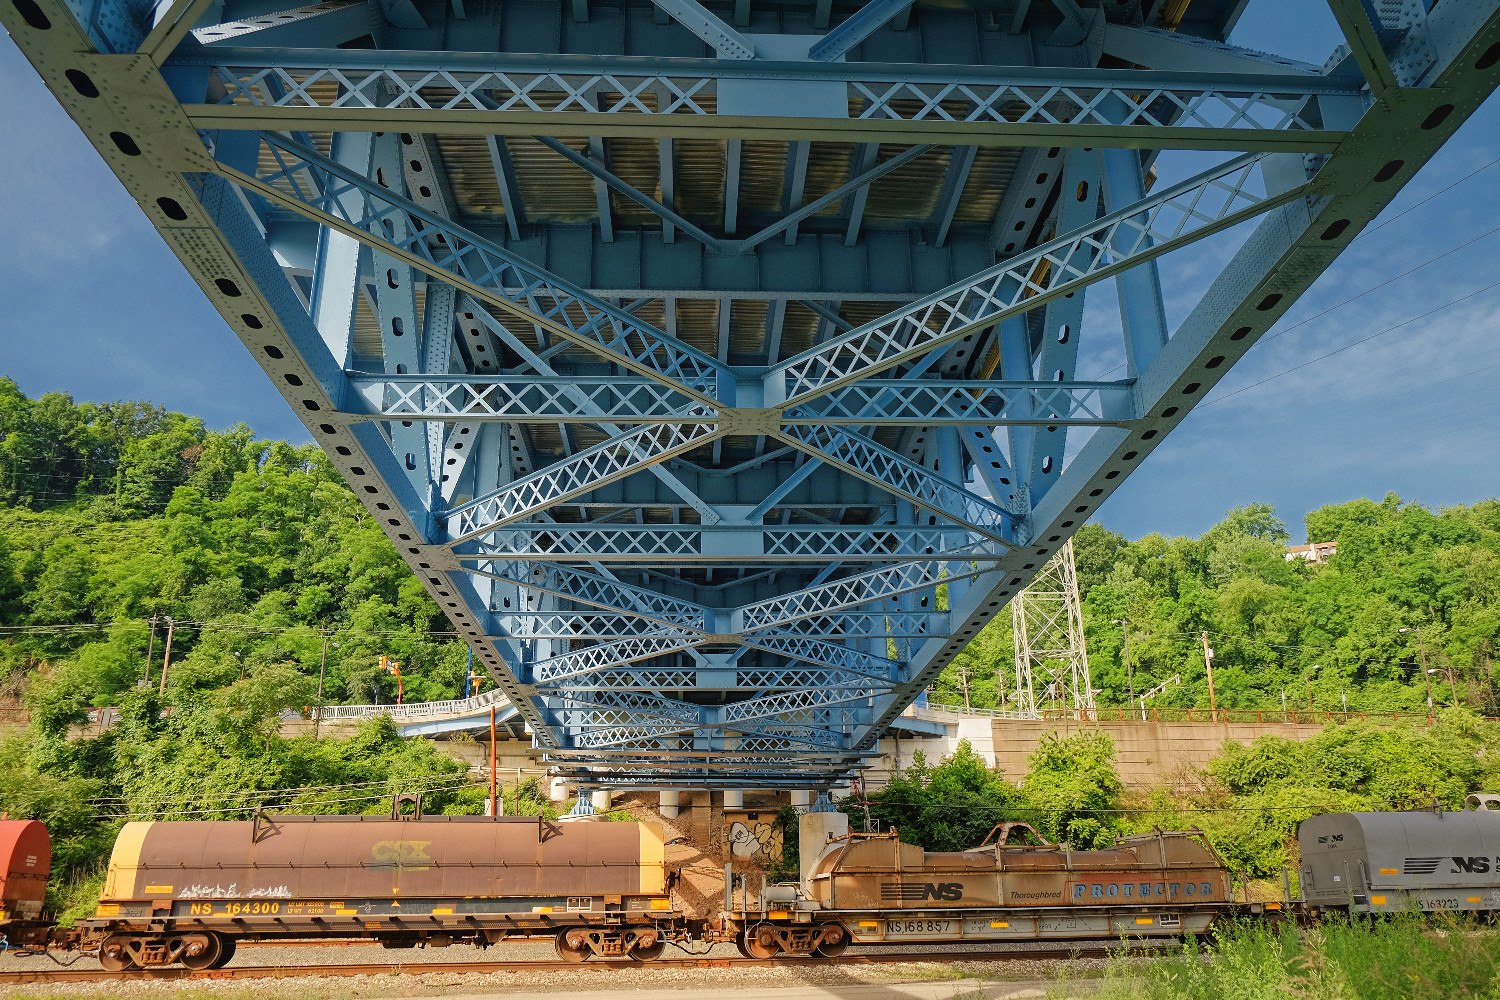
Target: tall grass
1402,958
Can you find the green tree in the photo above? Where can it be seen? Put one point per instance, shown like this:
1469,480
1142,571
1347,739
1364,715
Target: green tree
1071,791
949,806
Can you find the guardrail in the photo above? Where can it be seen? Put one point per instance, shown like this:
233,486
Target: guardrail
988,713
456,706
1194,715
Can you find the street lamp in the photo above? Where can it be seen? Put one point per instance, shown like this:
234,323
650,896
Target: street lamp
1422,647
1124,624
1452,685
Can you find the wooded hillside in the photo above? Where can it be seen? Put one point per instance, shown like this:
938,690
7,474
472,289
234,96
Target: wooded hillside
1318,632
113,513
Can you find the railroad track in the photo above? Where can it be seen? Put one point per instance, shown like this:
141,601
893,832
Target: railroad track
1092,949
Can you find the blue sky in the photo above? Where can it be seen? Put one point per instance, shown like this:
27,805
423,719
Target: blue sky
95,305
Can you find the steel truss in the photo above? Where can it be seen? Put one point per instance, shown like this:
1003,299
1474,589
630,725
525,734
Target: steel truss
713,510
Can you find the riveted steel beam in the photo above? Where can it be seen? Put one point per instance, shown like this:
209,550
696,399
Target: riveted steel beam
1180,214
458,93
341,199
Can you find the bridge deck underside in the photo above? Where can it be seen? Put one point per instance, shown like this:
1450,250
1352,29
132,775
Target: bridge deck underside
720,371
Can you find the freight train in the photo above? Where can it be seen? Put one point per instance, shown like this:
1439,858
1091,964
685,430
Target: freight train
187,892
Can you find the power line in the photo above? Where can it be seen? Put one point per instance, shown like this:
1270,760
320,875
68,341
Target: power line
1473,173
1353,298
1363,340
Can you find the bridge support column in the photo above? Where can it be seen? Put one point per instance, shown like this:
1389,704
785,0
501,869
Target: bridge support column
734,798
557,790
669,803
602,799
801,800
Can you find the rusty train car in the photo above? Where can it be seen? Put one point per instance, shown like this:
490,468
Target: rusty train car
187,891
25,862
872,888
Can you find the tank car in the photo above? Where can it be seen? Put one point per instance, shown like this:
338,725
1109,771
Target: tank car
872,888
1390,862
187,891
25,863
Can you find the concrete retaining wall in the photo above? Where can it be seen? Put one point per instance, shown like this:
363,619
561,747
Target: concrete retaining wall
1146,753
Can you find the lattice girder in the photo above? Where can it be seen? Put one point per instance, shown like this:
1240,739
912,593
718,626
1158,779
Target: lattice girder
695,533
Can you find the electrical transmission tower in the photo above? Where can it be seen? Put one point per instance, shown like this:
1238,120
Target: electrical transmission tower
1052,662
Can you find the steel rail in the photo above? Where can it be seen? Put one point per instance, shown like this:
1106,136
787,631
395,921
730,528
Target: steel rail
1086,949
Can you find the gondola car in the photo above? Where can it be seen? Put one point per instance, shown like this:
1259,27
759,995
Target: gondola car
871,888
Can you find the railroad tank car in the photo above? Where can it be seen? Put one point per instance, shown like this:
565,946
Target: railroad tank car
872,888
25,864
1372,862
187,891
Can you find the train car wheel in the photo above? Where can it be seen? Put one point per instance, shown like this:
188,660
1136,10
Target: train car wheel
207,958
114,956
739,944
834,948
650,952
226,954
574,951
761,942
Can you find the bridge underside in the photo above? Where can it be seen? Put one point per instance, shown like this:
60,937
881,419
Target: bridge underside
722,370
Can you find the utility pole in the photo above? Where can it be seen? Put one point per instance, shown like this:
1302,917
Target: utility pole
1124,624
494,774
1426,675
150,652
1307,685
167,659
322,664
963,678
1208,664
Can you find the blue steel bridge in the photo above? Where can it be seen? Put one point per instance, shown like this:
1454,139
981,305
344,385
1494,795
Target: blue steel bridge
720,369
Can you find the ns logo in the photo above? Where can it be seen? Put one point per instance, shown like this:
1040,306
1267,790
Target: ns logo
1473,865
917,892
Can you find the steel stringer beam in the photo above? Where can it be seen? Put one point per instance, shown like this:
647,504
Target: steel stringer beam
541,399
670,544
606,656
833,626
849,592
864,459
545,399
1282,257
1175,217
968,403
243,248
320,189
485,94
591,590
622,455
